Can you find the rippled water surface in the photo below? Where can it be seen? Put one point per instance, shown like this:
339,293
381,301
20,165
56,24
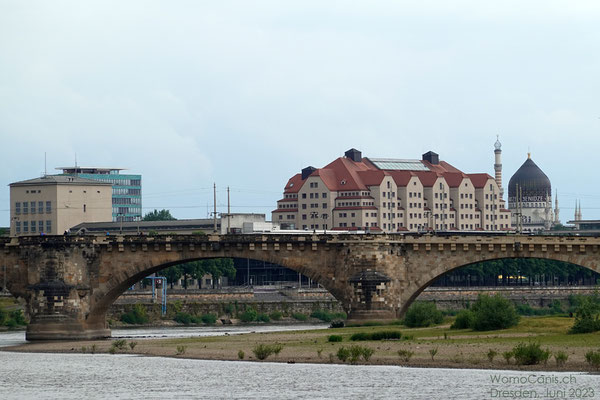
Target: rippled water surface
103,376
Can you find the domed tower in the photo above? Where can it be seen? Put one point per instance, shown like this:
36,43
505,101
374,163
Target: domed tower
530,187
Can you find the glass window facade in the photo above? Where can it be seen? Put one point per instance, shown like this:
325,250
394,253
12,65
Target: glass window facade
126,192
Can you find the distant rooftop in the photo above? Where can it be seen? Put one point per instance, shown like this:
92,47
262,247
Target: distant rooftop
398,165
59,180
90,170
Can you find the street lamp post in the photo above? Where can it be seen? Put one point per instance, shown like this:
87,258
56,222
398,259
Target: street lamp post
325,216
314,215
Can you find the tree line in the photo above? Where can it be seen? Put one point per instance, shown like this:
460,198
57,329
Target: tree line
216,267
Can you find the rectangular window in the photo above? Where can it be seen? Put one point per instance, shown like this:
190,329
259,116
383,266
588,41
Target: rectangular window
48,226
18,226
324,205
41,226
324,195
40,207
18,207
303,195
25,226
33,227
25,209
48,207
33,207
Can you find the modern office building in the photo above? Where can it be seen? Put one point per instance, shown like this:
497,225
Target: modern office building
391,195
127,189
53,204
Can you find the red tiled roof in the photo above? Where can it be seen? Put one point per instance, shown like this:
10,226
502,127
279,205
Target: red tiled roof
372,178
454,179
402,177
428,179
479,180
344,174
294,184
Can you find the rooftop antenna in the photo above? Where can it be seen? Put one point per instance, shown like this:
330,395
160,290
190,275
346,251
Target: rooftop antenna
75,164
45,165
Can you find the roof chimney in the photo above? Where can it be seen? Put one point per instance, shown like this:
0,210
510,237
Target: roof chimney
307,171
431,157
354,155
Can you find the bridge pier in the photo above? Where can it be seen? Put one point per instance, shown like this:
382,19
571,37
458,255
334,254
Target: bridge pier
62,327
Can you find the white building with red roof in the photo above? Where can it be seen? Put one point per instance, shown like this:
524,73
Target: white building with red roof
391,195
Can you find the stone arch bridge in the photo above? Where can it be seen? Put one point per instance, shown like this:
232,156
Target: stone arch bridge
68,283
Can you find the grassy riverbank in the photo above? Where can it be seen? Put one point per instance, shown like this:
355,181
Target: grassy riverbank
430,347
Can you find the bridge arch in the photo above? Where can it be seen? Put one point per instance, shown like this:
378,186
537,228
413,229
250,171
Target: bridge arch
131,274
453,263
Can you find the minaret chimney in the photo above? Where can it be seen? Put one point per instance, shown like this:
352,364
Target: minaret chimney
498,165
556,209
579,214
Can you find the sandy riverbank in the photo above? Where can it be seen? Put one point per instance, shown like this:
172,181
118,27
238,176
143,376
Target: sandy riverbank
455,349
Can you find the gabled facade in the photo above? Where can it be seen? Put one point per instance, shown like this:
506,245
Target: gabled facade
390,195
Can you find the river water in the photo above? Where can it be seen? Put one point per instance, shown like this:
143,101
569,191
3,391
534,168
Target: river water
103,376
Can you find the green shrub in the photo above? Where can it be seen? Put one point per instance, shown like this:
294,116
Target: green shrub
343,354
360,336
180,349
464,320
355,352
327,316
405,355
530,354
137,316
491,354
262,351
276,315
229,309
209,319
300,316
554,308
507,356
587,316
379,335
187,319
249,315
119,344
241,354
593,358
561,358
433,352
366,353
422,314
261,317
132,345
335,338
493,312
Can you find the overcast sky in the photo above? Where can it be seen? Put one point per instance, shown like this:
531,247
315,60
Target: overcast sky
246,93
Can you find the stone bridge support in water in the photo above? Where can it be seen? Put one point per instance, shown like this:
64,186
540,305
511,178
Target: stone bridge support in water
68,283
